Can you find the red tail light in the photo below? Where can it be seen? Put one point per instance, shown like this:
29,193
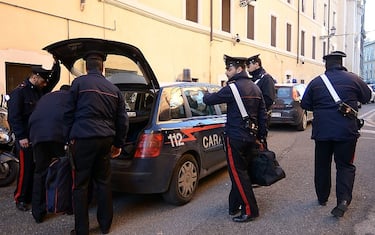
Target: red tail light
149,145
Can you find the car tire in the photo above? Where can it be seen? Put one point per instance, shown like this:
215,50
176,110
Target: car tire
303,124
184,181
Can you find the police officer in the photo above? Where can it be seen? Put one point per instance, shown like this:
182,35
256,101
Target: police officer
20,106
46,133
240,141
265,82
97,124
263,79
335,134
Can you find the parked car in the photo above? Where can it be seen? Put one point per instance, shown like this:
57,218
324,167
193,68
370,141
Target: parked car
174,139
287,106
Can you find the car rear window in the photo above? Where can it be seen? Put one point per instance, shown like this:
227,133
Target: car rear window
283,92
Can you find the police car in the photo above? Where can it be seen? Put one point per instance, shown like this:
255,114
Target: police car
174,139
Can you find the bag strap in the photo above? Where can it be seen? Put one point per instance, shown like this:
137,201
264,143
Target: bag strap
330,88
239,102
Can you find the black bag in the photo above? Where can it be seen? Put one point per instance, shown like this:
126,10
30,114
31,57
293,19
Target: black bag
59,186
265,169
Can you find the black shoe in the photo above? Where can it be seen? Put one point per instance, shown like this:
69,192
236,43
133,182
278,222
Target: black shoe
73,232
244,218
22,206
105,231
340,209
234,212
39,218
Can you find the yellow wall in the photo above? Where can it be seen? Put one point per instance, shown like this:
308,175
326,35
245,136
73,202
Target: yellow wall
158,28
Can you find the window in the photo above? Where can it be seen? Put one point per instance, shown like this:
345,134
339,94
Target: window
313,47
303,5
171,104
302,43
314,9
288,37
225,15
273,31
324,48
192,10
250,22
194,96
325,14
222,106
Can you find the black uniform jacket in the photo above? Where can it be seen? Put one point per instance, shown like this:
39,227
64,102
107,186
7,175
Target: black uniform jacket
46,122
253,102
328,122
95,108
23,100
266,85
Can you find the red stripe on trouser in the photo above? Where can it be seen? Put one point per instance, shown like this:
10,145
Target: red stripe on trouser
237,179
352,160
21,175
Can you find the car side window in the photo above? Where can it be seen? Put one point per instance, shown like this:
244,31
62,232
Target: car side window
222,106
171,104
194,96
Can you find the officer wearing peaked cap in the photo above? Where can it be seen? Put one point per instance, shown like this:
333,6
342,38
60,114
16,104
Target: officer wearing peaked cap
234,61
334,59
96,127
240,142
264,81
335,135
95,54
20,106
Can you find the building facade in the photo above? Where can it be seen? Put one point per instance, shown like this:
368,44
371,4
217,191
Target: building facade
291,36
368,74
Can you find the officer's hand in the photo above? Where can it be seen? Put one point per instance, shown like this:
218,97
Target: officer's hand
24,143
115,152
261,143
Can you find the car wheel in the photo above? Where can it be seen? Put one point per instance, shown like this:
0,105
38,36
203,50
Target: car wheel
184,181
303,124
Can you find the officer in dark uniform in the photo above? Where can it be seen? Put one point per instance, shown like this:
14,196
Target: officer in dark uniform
20,106
265,82
263,79
334,133
240,141
46,133
97,124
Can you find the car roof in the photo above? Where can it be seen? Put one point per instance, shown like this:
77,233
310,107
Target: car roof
187,84
288,84
70,50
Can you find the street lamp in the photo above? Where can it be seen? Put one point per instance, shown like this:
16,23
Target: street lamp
332,33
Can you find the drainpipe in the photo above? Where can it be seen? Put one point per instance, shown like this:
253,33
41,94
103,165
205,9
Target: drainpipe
328,24
298,31
211,39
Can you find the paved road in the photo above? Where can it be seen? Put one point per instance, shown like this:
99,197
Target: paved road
287,207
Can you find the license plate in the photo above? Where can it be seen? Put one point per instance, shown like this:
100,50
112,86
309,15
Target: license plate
275,114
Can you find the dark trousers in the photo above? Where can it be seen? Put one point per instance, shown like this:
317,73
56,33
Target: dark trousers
24,186
43,154
343,152
239,155
92,163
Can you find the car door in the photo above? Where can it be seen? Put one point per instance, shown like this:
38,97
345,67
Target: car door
208,126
